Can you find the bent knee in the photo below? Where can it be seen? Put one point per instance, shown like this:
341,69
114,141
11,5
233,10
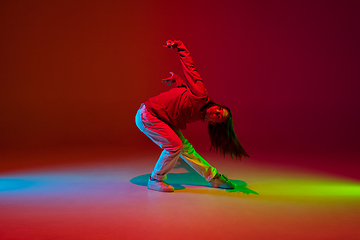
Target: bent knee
175,147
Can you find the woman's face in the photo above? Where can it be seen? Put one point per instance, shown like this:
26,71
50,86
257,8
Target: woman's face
216,114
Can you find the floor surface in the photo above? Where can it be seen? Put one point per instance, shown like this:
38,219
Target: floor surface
103,195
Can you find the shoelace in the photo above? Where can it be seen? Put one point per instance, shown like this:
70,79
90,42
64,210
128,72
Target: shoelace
225,177
162,182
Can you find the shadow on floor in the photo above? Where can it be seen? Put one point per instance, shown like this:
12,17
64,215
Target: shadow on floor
191,178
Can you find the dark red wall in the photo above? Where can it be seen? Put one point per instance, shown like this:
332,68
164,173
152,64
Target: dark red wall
75,72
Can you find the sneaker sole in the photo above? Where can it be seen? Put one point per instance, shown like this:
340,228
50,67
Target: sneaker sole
161,190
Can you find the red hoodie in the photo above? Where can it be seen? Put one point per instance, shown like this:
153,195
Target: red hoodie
181,105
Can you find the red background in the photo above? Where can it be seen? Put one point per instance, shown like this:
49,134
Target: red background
73,73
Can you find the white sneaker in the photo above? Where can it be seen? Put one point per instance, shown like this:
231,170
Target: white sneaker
221,181
160,186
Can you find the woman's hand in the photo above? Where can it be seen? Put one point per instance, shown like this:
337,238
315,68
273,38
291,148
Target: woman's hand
171,44
170,80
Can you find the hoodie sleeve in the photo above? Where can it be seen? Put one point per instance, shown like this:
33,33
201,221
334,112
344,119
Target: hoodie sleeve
193,81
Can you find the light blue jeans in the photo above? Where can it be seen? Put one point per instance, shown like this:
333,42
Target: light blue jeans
174,145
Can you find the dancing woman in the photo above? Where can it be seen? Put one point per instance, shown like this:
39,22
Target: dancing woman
162,117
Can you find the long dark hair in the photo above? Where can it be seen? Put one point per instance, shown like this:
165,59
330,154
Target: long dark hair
222,135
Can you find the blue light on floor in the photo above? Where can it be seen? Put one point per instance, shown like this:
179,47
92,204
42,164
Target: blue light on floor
8,184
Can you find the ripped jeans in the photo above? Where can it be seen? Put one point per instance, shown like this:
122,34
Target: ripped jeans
174,145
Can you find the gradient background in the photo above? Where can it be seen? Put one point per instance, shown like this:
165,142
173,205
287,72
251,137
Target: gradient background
73,73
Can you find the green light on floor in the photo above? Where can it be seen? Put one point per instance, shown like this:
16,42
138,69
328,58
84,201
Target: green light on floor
292,187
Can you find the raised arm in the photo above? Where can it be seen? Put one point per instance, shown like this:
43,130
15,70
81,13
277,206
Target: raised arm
192,78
